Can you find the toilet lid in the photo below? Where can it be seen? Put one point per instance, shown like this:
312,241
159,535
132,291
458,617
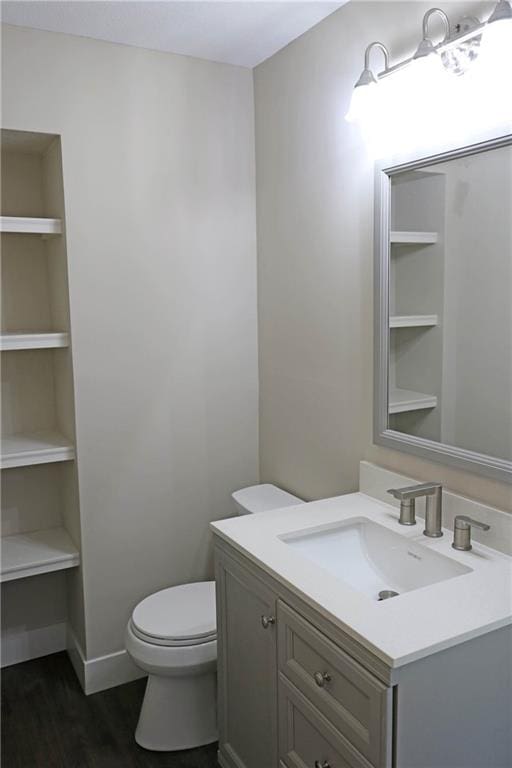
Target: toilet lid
178,614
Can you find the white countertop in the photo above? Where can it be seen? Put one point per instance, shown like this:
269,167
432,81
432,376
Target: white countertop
400,630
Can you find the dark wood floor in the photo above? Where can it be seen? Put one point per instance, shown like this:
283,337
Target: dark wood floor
47,722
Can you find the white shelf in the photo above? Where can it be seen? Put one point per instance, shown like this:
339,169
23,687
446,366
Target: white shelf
412,238
12,340
30,226
24,450
29,554
403,400
412,321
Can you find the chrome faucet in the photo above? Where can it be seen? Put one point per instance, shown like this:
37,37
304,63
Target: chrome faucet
434,505
462,532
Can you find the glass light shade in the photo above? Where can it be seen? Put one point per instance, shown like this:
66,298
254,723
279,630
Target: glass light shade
497,45
383,124
493,71
363,103
427,74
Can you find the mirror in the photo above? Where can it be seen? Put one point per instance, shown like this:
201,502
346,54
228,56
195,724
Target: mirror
443,378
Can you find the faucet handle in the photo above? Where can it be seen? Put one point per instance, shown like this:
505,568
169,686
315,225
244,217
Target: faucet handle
414,491
462,531
466,522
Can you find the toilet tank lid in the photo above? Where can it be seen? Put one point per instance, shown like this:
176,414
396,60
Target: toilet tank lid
264,497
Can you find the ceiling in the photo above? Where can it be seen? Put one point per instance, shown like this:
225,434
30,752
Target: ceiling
243,33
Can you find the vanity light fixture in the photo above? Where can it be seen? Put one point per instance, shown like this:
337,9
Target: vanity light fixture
430,71
363,96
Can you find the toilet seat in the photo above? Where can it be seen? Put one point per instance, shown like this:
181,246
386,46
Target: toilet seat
178,616
167,642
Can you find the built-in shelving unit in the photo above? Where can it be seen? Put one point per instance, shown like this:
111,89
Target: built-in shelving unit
37,552
27,225
413,238
25,450
413,321
40,510
16,340
404,400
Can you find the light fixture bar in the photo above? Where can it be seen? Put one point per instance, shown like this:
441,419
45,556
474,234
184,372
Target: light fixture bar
445,45
503,10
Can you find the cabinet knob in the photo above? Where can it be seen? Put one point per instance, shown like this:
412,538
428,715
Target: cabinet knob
321,678
266,621
324,764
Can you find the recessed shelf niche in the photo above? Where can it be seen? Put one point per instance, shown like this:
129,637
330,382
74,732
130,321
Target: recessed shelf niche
40,511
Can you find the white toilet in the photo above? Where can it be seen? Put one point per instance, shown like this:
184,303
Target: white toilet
172,635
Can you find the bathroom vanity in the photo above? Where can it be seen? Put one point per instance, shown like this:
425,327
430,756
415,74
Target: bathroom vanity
316,672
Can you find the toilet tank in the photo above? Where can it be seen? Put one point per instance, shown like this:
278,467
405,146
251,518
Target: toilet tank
262,498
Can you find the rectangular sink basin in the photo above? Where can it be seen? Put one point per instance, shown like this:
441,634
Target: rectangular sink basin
372,559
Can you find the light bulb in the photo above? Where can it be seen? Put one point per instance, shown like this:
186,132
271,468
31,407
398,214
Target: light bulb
428,85
497,45
363,103
427,72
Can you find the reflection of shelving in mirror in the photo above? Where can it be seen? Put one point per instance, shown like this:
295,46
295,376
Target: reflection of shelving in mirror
445,264
16,340
29,554
30,226
413,321
416,302
413,238
404,400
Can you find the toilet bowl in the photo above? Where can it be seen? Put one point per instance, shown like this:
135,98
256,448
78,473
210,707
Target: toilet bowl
172,635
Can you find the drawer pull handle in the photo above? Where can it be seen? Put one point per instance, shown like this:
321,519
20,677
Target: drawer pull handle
321,678
266,621
325,764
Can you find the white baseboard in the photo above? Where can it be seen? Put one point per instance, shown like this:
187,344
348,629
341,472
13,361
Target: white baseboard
103,671
76,656
20,644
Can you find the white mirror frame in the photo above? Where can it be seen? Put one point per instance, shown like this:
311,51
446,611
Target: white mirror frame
471,461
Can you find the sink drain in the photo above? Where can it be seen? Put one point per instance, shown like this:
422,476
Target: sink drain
385,594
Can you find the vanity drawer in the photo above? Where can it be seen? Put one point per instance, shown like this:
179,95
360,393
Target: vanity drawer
356,703
307,739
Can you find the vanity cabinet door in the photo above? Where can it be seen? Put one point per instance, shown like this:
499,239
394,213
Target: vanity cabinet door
354,700
247,668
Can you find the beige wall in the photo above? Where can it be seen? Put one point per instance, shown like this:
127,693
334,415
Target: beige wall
158,160
315,236
158,154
